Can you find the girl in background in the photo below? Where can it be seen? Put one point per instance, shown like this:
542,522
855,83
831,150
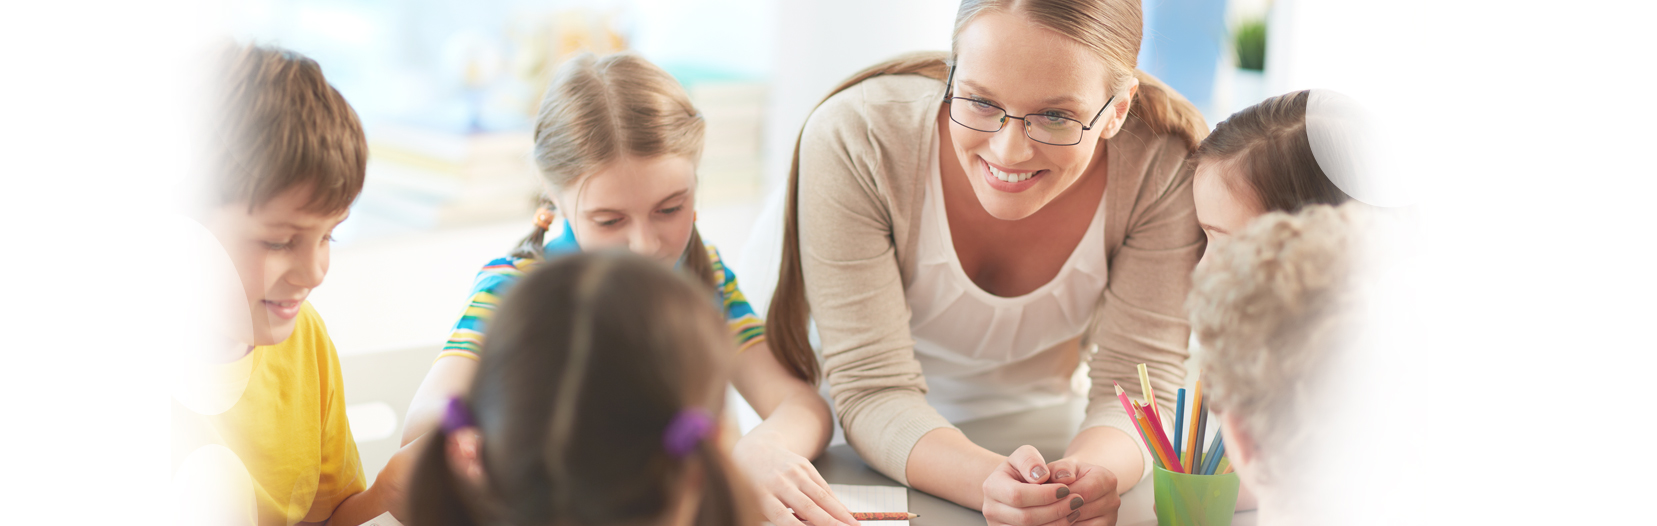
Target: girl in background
596,403
617,142
1257,161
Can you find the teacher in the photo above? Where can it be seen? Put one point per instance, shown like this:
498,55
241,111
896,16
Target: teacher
967,230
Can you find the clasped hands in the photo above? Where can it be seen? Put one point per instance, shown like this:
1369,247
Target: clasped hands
1026,490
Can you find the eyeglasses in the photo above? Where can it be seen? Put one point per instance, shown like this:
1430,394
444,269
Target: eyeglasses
1045,128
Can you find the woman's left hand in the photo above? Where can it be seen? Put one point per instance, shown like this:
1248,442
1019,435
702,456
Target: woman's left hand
1095,484
787,480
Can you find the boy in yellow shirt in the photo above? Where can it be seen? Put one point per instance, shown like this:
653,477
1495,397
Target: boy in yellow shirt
286,160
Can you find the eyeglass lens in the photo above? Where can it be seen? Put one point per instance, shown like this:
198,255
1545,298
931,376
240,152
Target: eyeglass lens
985,117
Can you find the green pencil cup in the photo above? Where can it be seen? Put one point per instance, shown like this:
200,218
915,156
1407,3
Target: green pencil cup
1194,500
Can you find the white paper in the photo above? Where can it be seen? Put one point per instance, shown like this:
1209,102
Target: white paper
385,519
873,499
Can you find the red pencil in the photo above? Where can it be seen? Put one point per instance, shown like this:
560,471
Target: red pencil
1158,437
877,516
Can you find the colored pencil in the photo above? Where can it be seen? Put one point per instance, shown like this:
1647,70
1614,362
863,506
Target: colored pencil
1202,432
1211,459
1123,396
1191,419
1219,453
1147,441
1224,465
877,516
1226,470
1127,407
1159,441
1160,434
1150,396
1179,423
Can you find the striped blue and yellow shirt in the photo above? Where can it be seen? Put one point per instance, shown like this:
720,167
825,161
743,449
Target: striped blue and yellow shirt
500,274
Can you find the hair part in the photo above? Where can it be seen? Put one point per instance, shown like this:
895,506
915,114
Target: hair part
580,450
1113,31
598,110
1266,144
277,125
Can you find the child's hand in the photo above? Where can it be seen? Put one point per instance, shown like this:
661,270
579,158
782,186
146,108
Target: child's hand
1022,492
787,480
1096,486
392,482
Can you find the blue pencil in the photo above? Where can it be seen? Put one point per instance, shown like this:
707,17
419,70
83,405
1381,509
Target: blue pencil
1212,459
1179,423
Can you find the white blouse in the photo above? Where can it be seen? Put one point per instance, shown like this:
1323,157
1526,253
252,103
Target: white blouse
985,355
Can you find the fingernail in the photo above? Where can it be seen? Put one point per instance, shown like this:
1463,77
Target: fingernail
1075,503
1036,473
1061,475
1063,491
1075,515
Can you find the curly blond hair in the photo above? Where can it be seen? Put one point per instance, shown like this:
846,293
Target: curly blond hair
1272,310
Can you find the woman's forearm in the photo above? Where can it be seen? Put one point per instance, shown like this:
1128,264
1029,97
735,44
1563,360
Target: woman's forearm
947,464
1111,449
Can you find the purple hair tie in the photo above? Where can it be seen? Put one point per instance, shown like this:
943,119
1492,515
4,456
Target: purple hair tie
457,416
687,429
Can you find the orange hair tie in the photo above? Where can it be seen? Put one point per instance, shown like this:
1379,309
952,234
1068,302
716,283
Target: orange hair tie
543,218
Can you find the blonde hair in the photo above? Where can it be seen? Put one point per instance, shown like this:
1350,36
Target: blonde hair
598,110
1273,309
1111,28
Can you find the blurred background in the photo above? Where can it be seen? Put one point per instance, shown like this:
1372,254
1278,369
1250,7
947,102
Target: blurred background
447,92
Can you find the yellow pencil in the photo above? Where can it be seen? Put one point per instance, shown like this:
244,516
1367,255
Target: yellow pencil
1150,396
1191,438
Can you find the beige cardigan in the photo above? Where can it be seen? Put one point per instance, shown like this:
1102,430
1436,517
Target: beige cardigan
863,165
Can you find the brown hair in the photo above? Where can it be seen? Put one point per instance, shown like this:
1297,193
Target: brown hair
276,125
589,359
1111,28
597,110
1267,142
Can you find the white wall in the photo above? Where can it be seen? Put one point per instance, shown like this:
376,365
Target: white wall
819,44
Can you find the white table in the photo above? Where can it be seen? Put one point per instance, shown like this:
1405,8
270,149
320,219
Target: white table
1049,430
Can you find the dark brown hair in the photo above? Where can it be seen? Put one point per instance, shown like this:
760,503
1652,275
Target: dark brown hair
1267,144
276,125
597,110
1110,28
588,360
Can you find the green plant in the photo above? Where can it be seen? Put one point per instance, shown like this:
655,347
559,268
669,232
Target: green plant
1250,41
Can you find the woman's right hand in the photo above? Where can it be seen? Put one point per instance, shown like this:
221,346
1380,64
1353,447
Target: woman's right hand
1020,493
787,480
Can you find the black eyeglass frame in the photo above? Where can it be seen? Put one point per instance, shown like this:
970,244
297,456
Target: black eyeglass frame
949,88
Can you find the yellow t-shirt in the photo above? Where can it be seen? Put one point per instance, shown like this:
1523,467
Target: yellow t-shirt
287,428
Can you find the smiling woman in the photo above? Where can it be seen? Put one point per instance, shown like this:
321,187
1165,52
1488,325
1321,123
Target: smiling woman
959,265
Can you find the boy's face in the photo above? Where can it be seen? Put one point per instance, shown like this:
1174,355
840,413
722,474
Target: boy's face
280,252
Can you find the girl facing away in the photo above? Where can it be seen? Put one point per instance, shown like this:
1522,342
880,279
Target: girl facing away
596,403
617,143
